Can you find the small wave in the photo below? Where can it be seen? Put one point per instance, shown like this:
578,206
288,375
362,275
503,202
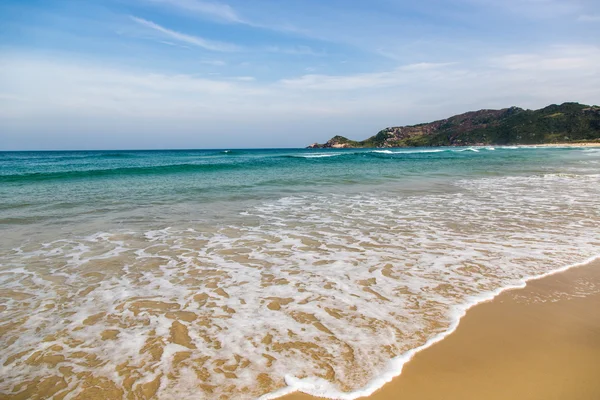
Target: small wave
383,151
92,173
404,151
425,151
116,155
315,155
233,152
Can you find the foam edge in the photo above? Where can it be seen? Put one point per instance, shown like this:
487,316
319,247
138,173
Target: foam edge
319,387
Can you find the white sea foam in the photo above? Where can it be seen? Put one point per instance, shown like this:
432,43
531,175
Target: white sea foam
318,155
383,151
404,151
323,388
430,151
593,151
417,151
326,294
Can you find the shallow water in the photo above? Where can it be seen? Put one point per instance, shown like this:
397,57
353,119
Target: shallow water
225,274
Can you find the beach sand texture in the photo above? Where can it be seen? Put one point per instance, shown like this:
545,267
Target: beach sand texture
537,343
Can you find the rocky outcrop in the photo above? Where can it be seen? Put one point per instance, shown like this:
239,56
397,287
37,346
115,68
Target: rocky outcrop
556,123
336,142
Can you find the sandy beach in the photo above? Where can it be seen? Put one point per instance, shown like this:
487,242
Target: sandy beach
570,144
540,342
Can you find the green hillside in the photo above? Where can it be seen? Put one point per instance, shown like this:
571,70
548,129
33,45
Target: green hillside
568,122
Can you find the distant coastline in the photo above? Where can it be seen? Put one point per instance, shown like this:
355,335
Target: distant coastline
565,124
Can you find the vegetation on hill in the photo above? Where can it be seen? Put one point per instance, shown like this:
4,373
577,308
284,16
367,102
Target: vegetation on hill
568,122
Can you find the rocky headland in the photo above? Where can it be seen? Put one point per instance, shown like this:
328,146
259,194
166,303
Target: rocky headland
564,123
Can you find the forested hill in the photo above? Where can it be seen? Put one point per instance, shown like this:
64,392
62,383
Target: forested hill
568,122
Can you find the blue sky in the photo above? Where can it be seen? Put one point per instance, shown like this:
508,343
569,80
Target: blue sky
264,73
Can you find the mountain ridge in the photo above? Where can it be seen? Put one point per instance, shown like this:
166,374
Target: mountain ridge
564,123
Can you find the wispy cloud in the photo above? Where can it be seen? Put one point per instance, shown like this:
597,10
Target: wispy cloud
185,38
398,76
224,13
166,42
218,11
559,58
215,63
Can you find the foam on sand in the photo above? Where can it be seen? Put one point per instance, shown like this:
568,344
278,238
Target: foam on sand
322,388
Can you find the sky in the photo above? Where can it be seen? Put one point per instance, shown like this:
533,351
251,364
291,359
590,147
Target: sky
155,74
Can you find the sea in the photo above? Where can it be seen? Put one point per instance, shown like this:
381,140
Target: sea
247,274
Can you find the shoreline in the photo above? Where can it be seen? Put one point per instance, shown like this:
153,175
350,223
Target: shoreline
568,144
480,145
390,384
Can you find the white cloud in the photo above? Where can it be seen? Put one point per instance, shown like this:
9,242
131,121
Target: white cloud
54,92
559,58
185,38
215,63
55,87
173,44
396,77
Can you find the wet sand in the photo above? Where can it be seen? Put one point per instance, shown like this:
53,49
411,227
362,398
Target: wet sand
541,342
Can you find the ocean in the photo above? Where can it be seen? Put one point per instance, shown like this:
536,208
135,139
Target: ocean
210,274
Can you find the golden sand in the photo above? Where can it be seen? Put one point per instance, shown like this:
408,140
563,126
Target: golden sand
541,342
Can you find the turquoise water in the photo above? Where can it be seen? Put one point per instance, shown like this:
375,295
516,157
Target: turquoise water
279,269
120,186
